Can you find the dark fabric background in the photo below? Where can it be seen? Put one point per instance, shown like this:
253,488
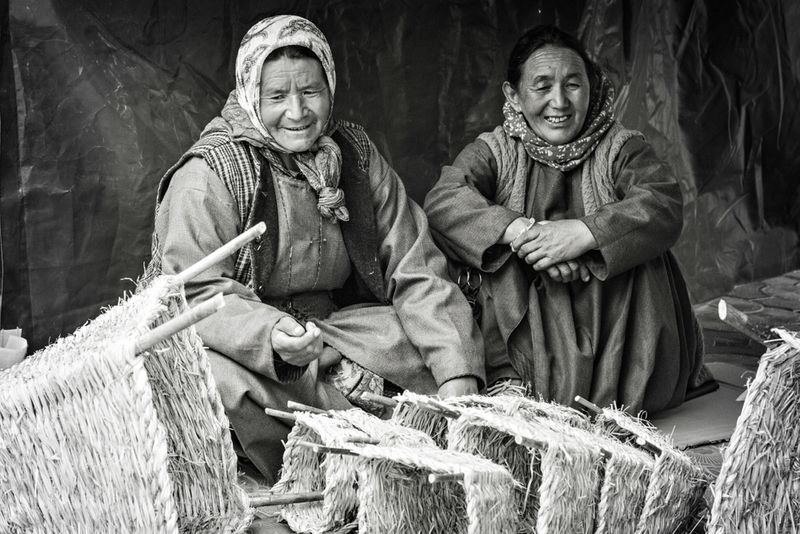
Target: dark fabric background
99,98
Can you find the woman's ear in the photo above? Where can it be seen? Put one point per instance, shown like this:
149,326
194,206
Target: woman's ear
511,96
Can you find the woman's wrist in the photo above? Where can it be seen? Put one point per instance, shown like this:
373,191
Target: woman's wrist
515,229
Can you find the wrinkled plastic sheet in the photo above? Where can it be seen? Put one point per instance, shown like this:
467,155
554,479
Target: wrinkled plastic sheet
100,98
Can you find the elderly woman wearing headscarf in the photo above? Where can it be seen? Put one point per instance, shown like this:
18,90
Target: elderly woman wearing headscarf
567,217
345,291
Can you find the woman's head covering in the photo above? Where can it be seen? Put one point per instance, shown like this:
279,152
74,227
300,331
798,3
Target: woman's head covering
258,43
322,164
569,155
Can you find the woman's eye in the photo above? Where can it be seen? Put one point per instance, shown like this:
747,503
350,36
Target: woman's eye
274,98
311,92
573,86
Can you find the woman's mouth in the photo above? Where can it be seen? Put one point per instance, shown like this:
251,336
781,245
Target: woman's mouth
297,128
557,119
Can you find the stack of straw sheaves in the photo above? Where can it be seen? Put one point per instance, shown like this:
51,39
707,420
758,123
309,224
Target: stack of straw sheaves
758,487
569,475
96,438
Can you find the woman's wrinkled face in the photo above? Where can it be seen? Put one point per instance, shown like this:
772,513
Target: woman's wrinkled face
552,94
295,101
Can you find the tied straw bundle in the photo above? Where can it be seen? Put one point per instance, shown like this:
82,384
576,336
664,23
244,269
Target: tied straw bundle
333,476
758,487
119,427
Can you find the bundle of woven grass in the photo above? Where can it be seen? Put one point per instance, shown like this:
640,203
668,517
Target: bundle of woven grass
676,484
758,487
95,438
558,473
336,476
397,497
525,407
421,412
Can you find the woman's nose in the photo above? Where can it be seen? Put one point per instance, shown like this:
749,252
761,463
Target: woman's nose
559,98
296,107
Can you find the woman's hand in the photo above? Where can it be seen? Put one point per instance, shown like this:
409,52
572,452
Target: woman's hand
549,243
464,385
295,344
569,271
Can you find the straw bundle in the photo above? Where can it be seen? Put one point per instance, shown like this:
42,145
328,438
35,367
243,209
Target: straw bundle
93,424
676,482
396,497
413,411
625,483
526,408
68,445
758,487
335,475
559,474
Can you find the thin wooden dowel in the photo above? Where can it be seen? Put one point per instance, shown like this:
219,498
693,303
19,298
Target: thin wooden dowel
366,440
435,478
292,405
222,252
176,324
650,447
639,440
541,445
738,320
280,414
286,498
378,399
324,449
433,406
588,405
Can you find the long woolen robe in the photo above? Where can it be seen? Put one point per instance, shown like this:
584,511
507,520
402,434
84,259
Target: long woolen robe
628,335
419,337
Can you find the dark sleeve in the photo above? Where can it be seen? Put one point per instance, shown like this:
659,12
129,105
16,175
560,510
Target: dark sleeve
434,313
464,221
197,216
647,220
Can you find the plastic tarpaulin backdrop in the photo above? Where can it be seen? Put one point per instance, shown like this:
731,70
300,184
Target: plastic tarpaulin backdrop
101,97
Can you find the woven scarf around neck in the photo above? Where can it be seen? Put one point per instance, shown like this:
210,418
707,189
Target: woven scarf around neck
322,164
515,147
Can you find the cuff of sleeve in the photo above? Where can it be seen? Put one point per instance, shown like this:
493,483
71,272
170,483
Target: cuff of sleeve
285,372
481,381
505,372
595,259
495,254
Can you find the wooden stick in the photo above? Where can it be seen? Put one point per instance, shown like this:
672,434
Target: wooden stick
286,498
292,405
176,324
324,449
588,405
434,478
640,441
541,444
433,406
280,414
365,440
738,320
222,252
378,399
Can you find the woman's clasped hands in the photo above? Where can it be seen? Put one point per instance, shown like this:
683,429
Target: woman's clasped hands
554,247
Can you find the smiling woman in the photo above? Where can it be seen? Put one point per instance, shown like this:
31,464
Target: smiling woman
569,217
345,293
295,101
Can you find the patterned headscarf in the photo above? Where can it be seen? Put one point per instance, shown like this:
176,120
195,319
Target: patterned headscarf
322,165
566,157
